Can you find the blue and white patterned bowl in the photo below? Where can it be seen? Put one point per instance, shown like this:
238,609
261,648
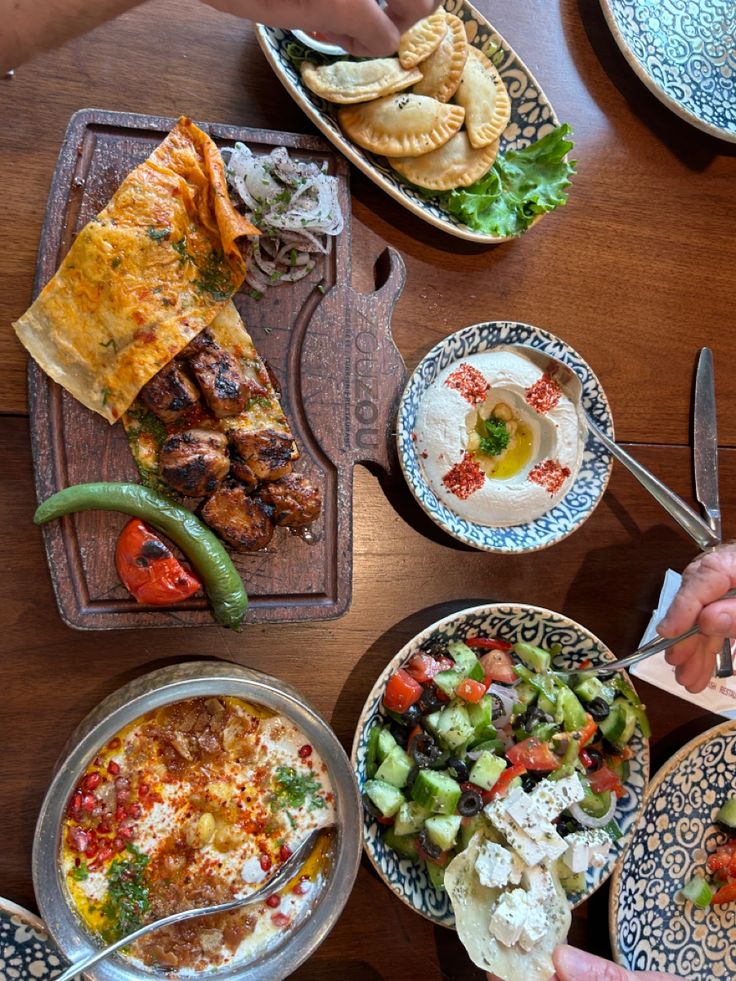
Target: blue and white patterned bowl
26,950
595,469
511,621
684,51
532,116
651,928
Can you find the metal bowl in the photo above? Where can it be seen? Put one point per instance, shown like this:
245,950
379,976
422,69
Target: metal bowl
172,684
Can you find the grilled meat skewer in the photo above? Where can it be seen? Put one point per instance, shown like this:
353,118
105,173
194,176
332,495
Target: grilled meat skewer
170,393
195,462
238,519
261,455
293,501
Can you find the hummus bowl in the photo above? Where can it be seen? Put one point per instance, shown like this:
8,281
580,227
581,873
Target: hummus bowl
186,787
541,486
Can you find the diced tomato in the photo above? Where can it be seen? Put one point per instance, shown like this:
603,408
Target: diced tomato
534,755
442,859
470,691
488,644
501,786
726,894
586,759
498,665
401,692
441,696
149,570
423,667
724,858
603,780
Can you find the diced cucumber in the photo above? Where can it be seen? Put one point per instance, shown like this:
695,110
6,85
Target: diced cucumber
613,725
596,804
481,714
436,876
385,744
570,882
469,826
613,831
436,791
482,736
546,704
447,681
387,798
371,750
526,693
621,685
493,745
395,768
534,657
631,719
569,712
698,891
442,830
465,660
486,770
727,813
588,688
544,731
454,727
430,721
410,818
642,720
405,846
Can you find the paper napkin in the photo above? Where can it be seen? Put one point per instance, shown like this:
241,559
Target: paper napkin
720,695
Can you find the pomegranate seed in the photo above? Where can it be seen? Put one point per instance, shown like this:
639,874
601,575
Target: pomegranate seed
284,853
98,761
305,751
89,802
302,888
104,854
78,839
143,790
75,804
273,901
266,862
103,828
135,810
113,768
114,743
126,833
119,845
92,781
91,850
279,920
119,814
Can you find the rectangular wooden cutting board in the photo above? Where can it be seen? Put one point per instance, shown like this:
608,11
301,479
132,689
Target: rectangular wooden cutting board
329,346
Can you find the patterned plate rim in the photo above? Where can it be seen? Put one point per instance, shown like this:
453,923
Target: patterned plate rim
609,11
346,147
486,609
411,466
14,909
665,771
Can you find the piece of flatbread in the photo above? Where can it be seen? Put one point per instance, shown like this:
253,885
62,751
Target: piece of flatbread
402,125
456,164
484,97
420,40
443,69
347,82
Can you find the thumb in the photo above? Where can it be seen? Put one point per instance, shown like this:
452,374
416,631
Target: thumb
577,965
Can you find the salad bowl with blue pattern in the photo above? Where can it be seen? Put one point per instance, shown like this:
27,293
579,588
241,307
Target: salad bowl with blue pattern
595,470
513,622
652,927
532,115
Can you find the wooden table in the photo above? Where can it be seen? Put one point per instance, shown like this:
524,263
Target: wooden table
636,273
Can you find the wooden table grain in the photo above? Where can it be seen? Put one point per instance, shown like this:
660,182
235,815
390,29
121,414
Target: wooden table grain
636,273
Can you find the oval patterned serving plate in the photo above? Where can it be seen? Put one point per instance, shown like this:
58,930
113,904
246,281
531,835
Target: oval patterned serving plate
651,928
26,950
532,116
595,469
534,625
684,51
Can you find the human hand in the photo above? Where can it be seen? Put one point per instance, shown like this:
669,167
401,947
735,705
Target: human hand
704,581
362,27
572,964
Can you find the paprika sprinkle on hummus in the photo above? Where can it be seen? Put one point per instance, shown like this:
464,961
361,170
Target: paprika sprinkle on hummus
543,395
550,475
464,478
469,382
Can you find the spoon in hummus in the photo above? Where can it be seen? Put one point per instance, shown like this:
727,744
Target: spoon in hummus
277,881
572,386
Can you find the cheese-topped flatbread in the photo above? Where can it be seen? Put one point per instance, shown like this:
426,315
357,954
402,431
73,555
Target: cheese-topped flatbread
142,278
456,164
443,69
420,40
347,82
403,125
484,97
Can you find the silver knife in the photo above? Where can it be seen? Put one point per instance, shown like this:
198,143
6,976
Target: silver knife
705,459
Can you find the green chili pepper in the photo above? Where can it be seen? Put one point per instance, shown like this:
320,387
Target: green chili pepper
201,546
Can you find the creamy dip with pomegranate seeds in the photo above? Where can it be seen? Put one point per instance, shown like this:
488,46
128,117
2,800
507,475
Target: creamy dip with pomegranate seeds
196,803
499,442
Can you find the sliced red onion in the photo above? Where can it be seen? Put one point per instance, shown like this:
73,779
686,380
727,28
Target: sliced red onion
592,822
507,698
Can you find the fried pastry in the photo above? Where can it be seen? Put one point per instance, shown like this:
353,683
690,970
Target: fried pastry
443,69
456,164
403,125
347,82
484,97
420,40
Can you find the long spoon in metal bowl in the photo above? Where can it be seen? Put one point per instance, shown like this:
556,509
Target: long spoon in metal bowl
572,386
287,871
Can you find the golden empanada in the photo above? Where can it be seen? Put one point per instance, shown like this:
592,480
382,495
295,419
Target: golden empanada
402,125
484,97
443,69
420,40
456,164
358,81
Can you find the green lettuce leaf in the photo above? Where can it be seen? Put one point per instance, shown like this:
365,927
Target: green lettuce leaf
520,185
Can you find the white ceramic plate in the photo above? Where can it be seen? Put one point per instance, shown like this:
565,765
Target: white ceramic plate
532,116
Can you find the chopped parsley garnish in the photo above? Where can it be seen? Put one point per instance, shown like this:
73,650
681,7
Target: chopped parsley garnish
127,895
181,250
496,437
106,394
80,873
258,400
215,277
158,234
292,257
116,262
292,789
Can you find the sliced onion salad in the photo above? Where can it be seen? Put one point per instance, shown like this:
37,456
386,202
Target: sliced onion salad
587,821
296,206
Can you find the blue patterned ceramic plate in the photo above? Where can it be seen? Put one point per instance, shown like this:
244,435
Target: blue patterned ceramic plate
595,469
652,929
532,116
684,51
26,950
531,624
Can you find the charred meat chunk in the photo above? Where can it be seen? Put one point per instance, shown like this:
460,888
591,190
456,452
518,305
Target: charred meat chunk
225,387
242,521
195,462
262,455
170,393
200,342
293,500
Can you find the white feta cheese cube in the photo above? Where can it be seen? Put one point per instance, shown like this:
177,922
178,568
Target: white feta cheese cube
497,866
509,916
541,886
528,850
522,809
535,927
545,835
551,797
586,849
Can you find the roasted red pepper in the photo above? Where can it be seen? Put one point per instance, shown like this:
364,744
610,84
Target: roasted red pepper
149,570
